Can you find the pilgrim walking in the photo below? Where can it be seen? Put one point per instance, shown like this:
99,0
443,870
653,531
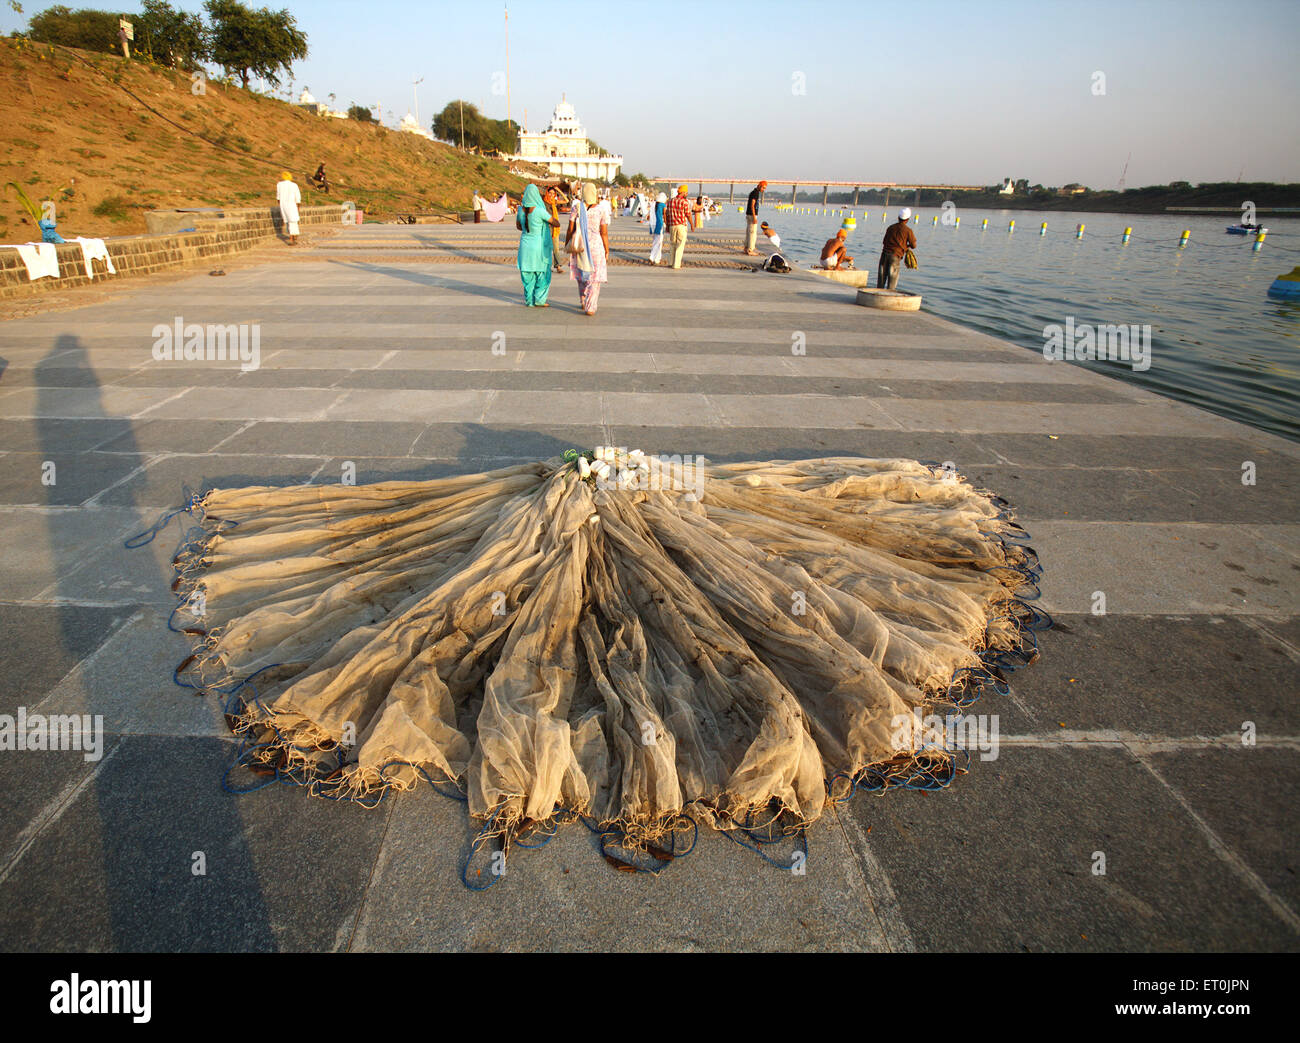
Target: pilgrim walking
588,244
536,248
288,196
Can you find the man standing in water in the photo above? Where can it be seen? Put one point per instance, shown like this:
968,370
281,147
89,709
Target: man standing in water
899,238
751,218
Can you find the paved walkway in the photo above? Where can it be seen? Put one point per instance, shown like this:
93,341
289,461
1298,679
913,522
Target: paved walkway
377,348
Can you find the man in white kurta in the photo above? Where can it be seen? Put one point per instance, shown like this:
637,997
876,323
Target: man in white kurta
286,192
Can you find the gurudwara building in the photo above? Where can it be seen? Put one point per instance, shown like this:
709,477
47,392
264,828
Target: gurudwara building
563,148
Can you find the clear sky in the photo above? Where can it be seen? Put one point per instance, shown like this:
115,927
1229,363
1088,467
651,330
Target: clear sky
952,92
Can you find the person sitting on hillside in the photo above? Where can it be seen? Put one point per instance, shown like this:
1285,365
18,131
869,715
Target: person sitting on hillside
319,180
834,254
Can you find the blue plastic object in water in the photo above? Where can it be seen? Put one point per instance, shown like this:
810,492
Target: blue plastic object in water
1287,286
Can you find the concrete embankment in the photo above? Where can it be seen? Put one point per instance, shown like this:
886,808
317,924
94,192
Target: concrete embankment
217,233
1159,728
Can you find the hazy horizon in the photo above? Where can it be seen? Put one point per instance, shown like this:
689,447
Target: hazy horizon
950,92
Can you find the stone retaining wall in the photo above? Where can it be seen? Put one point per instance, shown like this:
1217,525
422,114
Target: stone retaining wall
217,234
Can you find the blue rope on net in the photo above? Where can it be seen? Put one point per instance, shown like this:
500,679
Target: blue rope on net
140,539
756,845
475,844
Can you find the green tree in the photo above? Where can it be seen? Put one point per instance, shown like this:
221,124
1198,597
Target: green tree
172,37
480,132
86,29
361,113
261,43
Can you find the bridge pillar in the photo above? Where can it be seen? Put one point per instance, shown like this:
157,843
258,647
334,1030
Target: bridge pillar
825,189
917,200
794,192
732,198
701,191
886,198
855,195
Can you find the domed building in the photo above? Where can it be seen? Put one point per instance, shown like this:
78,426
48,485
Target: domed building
564,149
411,125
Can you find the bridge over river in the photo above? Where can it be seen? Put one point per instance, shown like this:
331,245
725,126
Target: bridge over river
888,186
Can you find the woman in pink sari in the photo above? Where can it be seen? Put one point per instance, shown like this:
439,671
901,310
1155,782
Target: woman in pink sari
589,226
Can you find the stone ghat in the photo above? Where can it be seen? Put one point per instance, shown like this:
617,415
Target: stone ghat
217,234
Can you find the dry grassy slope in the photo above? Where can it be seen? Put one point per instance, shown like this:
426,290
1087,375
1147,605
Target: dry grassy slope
69,132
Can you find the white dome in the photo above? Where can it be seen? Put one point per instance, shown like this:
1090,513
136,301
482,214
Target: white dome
564,120
306,99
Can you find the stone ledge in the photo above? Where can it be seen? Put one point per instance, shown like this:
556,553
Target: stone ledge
217,233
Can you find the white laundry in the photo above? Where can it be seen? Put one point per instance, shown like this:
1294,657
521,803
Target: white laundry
95,250
41,259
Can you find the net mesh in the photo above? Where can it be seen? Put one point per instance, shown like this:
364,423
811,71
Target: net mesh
620,637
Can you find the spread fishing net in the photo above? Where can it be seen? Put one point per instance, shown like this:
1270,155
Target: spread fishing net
625,638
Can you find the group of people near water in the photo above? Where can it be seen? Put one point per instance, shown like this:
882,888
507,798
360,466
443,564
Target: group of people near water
586,237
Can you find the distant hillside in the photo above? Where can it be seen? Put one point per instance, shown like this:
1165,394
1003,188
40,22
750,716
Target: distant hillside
71,132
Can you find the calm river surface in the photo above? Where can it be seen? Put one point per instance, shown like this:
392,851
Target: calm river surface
1217,340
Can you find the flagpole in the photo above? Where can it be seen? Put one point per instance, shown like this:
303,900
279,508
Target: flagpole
507,10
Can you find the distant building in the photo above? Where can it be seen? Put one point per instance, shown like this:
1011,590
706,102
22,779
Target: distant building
563,148
1007,188
412,126
1073,189
306,101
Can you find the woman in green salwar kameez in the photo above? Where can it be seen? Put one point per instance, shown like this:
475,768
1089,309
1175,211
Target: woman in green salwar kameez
536,248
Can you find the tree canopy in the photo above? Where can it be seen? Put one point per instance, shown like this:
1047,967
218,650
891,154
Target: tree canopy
481,132
261,42
169,36
83,28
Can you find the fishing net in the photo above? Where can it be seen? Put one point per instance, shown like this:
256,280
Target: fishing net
625,638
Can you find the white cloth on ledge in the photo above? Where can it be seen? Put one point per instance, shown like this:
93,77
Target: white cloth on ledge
42,259
95,250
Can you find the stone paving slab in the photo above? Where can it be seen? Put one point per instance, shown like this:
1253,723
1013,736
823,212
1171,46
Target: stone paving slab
161,482
1182,569
38,545
1133,495
175,436
1004,861
1211,674
1247,800
128,681
282,871
718,897
59,479
40,433
54,640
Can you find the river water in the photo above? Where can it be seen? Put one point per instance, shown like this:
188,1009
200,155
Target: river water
1217,339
